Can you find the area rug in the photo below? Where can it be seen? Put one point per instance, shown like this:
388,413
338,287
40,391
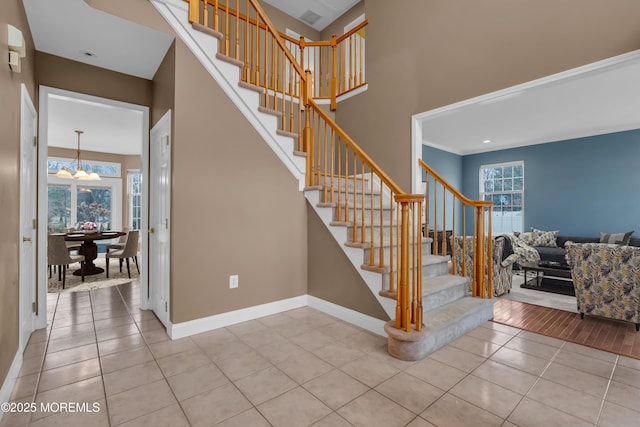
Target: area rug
96,281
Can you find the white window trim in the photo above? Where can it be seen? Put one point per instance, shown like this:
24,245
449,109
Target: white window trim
482,193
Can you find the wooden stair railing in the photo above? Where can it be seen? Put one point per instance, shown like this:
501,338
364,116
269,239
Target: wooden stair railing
337,65
378,214
437,220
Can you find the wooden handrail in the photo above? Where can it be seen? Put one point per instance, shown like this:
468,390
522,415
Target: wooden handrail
357,150
353,31
451,188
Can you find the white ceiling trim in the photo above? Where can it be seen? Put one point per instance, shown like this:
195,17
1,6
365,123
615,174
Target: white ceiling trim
518,90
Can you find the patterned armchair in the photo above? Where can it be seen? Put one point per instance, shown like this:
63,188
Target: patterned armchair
501,270
606,279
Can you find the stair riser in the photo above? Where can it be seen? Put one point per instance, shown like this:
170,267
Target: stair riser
426,251
386,233
443,297
386,215
339,197
428,272
340,183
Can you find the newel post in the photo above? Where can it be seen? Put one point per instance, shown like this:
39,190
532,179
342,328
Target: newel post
405,291
334,73
307,135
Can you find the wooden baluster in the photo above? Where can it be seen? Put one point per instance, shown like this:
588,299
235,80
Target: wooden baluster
362,204
339,150
463,255
489,255
413,284
444,221
194,11
266,67
435,216
346,182
237,47
332,162
392,264
326,160
371,229
245,68
380,206
319,155
361,79
308,140
257,55
355,217
292,77
274,59
205,13
334,71
227,41
453,233
418,317
403,290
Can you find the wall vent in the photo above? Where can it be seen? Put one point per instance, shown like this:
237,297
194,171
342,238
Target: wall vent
310,17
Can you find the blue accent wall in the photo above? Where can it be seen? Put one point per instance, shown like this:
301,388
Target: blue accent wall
580,186
449,166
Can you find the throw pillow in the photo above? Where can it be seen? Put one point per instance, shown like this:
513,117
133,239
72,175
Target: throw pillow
616,238
526,238
544,238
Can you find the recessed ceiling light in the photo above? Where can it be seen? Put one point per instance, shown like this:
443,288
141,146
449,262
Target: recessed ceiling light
89,54
486,141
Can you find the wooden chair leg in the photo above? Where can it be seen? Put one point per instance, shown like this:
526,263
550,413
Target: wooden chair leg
120,260
59,273
128,270
135,258
64,274
107,267
82,264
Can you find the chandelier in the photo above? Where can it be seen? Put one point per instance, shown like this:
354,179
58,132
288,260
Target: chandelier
64,172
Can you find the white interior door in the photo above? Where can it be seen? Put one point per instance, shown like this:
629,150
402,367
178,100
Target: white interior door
159,217
28,187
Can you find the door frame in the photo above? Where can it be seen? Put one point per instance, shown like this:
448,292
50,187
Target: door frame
27,291
45,93
165,122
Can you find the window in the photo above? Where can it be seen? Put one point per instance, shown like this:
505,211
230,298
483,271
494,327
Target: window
71,203
102,168
134,188
503,184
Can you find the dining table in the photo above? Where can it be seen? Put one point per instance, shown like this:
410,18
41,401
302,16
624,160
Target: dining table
89,248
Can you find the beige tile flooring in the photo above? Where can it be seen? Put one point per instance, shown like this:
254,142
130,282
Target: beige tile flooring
303,367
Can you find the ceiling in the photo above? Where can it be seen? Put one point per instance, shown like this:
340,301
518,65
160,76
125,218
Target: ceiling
106,128
71,29
318,14
596,99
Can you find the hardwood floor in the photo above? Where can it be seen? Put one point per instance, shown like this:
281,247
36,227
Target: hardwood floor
604,334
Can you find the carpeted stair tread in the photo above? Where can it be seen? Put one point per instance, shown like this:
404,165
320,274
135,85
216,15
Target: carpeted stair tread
230,60
250,86
269,111
287,133
207,30
454,312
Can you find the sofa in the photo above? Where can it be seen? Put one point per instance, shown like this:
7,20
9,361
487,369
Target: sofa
556,254
501,266
606,278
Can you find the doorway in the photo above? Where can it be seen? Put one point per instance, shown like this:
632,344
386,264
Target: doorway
96,114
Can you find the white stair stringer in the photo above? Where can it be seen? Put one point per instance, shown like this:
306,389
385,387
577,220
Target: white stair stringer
372,279
205,47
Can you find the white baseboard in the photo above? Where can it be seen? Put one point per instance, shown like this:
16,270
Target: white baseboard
364,321
192,327
10,380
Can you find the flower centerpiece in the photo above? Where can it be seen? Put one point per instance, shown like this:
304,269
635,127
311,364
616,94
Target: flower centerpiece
89,227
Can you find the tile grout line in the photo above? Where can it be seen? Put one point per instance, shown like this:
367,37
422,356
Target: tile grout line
146,343
606,391
104,388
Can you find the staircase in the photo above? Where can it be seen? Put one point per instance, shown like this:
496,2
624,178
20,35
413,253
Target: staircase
378,227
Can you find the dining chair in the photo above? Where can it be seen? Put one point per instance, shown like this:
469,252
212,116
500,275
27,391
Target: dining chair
130,250
58,255
121,241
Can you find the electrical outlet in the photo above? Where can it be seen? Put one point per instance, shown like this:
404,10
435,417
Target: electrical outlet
233,281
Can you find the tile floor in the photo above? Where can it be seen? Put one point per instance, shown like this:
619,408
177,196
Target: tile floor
303,367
